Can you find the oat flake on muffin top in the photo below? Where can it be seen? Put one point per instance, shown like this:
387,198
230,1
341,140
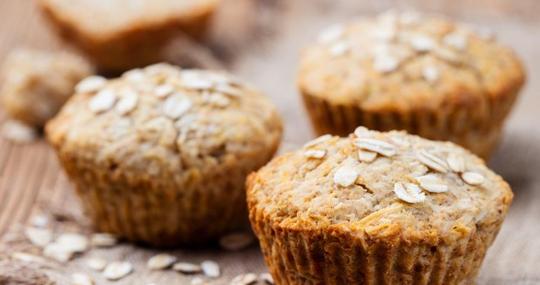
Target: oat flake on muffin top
377,181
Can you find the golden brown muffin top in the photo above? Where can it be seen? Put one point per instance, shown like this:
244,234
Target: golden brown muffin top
162,119
407,61
379,184
105,19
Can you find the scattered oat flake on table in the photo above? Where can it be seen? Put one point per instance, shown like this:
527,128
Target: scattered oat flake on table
103,101
18,132
266,278
91,84
197,281
187,268
473,178
236,241
73,242
160,261
117,270
244,279
103,240
315,153
345,176
39,237
58,252
96,263
432,161
432,183
210,268
39,221
81,279
409,193
27,257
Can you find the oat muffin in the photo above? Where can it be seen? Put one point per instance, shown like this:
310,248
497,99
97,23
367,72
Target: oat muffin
160,155
430,76
122,34
35,84
376,208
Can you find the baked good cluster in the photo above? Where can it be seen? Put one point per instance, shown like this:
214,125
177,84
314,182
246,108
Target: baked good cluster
395,190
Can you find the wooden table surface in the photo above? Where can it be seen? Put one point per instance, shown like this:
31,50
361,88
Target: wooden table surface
260,40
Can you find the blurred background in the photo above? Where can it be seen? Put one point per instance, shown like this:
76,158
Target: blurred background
260,40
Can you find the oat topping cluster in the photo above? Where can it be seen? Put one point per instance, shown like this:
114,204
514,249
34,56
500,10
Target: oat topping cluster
395,37
215,89
370,148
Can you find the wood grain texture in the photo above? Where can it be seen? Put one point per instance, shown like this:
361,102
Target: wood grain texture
260,40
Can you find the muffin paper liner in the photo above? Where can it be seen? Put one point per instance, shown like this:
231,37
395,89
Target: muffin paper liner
477,128
164,216
157,210
336,257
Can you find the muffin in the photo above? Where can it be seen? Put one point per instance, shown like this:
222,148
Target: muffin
376,208
426,75
161,154
123,34
35,84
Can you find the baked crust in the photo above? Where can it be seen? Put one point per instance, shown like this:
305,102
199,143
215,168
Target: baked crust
152,174
126,36
429,76
313,230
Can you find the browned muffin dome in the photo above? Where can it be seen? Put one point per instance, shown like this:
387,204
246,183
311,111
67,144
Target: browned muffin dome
161,154
376,208
428,75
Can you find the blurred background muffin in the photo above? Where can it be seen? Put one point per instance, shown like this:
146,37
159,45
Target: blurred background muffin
427,75
160,155
119,35
35,84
